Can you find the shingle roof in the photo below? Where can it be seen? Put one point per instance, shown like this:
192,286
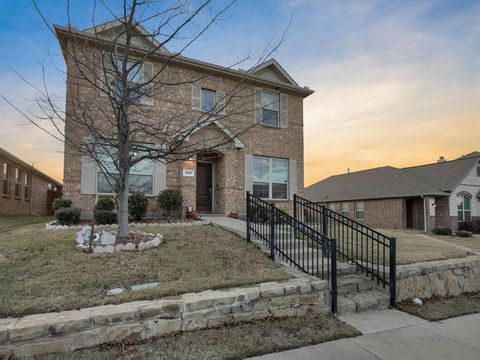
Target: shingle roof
390,182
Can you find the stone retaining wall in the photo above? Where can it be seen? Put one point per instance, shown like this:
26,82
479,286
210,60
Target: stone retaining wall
139,320
438,278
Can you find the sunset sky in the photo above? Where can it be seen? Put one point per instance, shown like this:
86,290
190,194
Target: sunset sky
396,82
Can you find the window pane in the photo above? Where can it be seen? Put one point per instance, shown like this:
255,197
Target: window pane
269,117
208,100
466,203
279,191
103,185
467,216
270,100
331,206
359,215
5,171
144,167
261,169
460,215
261,190
141,184
359,206
279,170
5,187
135,74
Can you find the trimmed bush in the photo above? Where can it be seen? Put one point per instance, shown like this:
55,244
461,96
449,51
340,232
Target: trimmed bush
442,231
61,203
463,233
170,200
105,204
472,226
137,206
68,216
105,217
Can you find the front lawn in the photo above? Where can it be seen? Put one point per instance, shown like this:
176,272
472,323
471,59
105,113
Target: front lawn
441,308
472,243
232,342
41,271
11,222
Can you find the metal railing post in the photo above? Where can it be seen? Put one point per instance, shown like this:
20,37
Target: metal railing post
272,231
324,220
333,280
248,216
393,271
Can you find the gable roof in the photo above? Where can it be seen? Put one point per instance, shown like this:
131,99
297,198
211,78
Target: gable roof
445,175
379,183
20,162
272,70
269,73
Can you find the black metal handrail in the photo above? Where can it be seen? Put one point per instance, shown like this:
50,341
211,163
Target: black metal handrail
295,242
357,244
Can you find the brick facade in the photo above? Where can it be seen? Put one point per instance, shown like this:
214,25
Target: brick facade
34,199
228,160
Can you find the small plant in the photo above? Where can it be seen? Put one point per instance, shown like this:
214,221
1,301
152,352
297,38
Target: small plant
442,231
105,204
68,216
61,203
105,217
463,233
137,206
472,226
171,201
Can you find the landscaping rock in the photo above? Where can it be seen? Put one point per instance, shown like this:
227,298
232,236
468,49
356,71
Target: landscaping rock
115,291
107,238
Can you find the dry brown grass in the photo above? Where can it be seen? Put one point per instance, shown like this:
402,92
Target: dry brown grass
42,272
472,243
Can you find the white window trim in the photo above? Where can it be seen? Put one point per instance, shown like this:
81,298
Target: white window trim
270,176
201,99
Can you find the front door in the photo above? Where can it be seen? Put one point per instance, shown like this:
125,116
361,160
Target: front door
204,187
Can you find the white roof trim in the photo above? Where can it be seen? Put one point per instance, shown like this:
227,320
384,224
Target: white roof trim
117,22
277,66
238,143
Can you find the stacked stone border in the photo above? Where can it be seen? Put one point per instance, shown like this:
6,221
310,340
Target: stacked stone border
438,278
140,320
52,226
157,239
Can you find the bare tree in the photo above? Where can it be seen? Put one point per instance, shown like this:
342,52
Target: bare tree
120,108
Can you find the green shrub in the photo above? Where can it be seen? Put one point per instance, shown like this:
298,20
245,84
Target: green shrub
463,233
137,206
170,200
105,217
61,203
259,213
105,204
68,216
442,231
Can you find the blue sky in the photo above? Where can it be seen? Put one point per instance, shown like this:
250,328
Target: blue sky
397,82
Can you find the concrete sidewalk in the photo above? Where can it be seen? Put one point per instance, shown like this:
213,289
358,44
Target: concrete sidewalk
236,226
392,335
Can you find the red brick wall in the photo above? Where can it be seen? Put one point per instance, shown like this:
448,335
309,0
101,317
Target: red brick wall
385,213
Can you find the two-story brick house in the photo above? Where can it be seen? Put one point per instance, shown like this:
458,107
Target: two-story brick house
266,160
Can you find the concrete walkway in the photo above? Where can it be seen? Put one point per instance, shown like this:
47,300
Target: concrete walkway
236,226
392,335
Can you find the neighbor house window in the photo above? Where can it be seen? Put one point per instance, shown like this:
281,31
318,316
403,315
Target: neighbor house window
6,171
270,108
270,178
359,210
25,186
140,179
331,206
208,100
17,182
344,209
464,208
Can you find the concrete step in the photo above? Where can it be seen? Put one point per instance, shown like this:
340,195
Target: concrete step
353,283
362,301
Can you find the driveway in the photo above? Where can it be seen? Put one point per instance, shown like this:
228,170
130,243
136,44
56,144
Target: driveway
394,335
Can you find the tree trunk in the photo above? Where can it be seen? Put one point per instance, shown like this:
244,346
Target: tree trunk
123,230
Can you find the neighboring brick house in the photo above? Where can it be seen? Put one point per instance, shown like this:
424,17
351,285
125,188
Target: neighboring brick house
421,197
25,190
267,160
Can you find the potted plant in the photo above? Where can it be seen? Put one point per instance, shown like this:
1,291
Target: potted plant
233,215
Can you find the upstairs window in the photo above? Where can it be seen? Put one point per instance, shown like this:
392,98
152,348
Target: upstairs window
26,194
6,171
208,100
270,178
270,108
359,210
464,208
331,206
344,209
17,182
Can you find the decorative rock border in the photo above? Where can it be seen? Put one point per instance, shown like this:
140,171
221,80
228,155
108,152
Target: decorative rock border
52,226
129,246
438,278
140,320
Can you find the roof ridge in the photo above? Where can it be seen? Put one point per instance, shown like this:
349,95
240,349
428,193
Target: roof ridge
442,162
